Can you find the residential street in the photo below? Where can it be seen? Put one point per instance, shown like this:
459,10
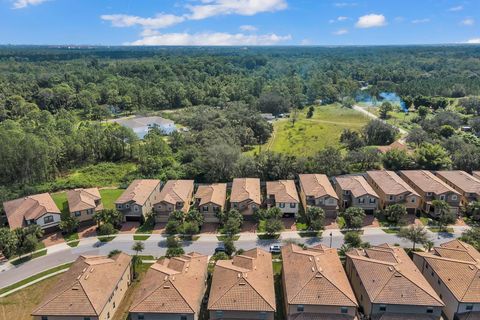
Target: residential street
155,245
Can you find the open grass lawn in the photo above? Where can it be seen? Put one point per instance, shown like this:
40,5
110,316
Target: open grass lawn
20,304
109,196
309,136
60,199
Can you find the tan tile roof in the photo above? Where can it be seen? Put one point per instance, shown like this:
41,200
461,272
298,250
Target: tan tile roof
427,181
138,191
392,280
245,189
31,207
175,285
85,288
458,265
83,199
283,190
476,174
244,283
390,183
357,185
398,144
322,316
317,185
176,191
461,180
315,276
213,193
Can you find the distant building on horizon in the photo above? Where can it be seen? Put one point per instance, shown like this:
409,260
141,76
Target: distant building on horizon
142,125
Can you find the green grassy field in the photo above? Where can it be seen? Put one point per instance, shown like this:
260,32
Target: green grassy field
309,136
108,198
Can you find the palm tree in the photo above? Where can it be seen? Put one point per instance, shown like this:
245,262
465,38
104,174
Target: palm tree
416,234
138,246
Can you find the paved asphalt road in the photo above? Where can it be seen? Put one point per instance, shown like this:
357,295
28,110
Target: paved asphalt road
155,245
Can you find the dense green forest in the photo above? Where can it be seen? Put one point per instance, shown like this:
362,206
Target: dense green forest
53,103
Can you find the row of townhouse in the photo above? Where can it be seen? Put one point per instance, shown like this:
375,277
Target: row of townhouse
380,282
374,190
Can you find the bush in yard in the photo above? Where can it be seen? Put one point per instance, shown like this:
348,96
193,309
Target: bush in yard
174,252
174,247
106,229
472,210
232,214
176,216
444,215
8,242
273,226
472,236
315,218
68,224
395,213
190,228
352,239
110,216
232,226
416,234
353,218
114,253
229,246
196,217
173,227
220,256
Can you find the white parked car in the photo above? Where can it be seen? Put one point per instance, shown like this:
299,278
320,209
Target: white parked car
275,248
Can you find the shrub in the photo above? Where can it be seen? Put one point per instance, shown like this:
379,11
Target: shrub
106,229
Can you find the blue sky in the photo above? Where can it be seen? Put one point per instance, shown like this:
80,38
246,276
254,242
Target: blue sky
239,22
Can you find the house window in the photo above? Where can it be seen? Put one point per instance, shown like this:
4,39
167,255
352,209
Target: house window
426,266
430,310
300,308
429,194
183,317
331,201
263,315
135,208
442,197
438,281
281,205
454,197
141,316
119,206
344,310
373,200
469,307
219,314
293,205
382,308
78,213
361,200
235,205
86,318
205,208
90,211
48,219
391,198
127,206
413,200
44,318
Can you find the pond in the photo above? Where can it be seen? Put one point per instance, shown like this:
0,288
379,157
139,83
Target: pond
391,97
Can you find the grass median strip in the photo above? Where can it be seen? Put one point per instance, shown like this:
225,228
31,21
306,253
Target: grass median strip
24,259
35,277
140,237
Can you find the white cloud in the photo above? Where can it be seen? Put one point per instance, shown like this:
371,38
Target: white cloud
418,21
20,4
159,21
468,22
210,39
344,4
399,19
474,41
248,28
210,8
457,8
371,21
340,32
342,18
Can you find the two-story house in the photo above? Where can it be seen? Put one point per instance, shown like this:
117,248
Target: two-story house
136,202
92,289
430,188
39,209
317,191
172,288
453,270
315,285
210,200
243,287
245,196
354,191
84,203
283,195
176,195
468,186
391,189
388,285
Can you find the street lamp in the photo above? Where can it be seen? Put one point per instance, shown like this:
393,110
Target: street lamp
331,236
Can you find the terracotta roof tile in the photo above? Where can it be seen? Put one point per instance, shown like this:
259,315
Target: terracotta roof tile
173,285
176,191
85,288
427,181
315,276
461,180
138,191
390,183
390,282
31,207
235,287
357,185
83,199
245,189
213,193
316,185
458,265
283,191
